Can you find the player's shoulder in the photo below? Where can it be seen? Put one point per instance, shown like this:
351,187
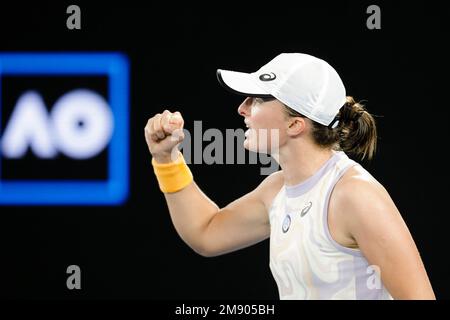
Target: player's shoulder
274,180
359,200
270,186
358,187
357,175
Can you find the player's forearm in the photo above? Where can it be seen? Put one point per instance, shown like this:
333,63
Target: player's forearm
191,211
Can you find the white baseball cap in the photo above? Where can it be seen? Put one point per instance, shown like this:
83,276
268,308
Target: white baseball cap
307,84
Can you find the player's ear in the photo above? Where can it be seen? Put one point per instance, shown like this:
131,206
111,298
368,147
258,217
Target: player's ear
296,125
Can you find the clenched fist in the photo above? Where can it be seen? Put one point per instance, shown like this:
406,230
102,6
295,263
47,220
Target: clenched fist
163,133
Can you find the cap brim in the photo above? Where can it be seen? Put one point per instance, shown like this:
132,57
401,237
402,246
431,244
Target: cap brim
240,83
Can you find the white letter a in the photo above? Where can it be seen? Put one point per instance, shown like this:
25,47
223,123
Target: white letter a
74,280
374,21
29,125
74,20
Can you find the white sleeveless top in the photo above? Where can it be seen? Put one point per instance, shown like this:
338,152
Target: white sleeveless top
305,260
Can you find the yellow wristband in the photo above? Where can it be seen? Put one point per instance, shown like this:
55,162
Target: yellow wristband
173,176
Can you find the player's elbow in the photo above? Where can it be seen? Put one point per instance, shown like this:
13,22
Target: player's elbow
205,251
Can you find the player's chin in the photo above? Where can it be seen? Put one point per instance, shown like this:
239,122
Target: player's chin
248,146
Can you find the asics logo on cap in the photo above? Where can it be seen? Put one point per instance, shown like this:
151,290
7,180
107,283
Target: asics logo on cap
267,76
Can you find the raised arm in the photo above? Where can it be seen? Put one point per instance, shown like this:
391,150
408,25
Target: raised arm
206,228
212,231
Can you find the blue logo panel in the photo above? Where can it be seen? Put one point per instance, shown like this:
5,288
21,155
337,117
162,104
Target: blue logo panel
114,189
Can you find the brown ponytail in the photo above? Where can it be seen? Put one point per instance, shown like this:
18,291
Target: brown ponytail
355,134
357,130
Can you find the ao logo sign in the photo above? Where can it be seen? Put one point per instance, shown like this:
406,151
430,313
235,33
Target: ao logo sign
79,125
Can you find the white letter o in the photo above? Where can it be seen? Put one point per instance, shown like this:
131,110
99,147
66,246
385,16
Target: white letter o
83,123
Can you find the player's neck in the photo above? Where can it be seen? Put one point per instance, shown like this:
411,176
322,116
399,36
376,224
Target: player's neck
301,161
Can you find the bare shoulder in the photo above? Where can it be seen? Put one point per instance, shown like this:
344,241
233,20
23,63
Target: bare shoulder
269,187
356,201
358,185
358,195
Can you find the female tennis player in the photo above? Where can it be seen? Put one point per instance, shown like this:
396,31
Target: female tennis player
334,231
